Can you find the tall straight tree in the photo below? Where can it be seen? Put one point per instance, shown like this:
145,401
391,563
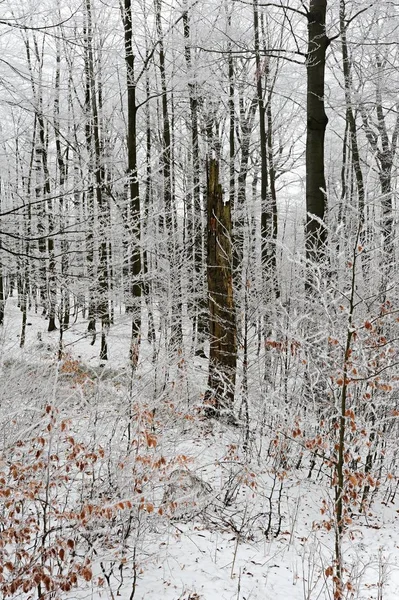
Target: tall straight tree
262,133
134,191
62,164
89,194
35,59
169,199
222,326
197,209
383,141
2,290
99,182
350,113
316,121
351,142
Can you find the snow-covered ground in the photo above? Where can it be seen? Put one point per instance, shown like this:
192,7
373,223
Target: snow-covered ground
215,522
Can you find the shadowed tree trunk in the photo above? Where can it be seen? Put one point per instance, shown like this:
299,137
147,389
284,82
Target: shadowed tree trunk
101,201
89,193
223,342
148,199
352,143
269,211
318,41
246,124
62,161
350,115
197,228
134,196
169,199
384,147
42,182
2,292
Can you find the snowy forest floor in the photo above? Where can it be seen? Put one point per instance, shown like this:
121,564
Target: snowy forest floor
125,490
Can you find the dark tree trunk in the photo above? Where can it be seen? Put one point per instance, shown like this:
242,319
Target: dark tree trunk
51,282
316,233
269,209
350,116
262,133
101,201
37,165
134,192
25,276
89,195
2,291
271,218
223,342
384,148
64,312
196,231
176,313
147,286
246,126
232,124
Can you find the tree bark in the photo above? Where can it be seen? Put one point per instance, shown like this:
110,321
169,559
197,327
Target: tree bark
101,201
316,233
197,229
134,191
176,312
89,194
223,342
2,290
246,122
350,116
269,207
384,149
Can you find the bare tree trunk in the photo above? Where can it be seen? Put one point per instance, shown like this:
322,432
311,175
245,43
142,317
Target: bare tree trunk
268,211
232,124
350,117
38,149
247,119
384,150
262,134
271,218
223,342
176,313
316,233
2,290
101,201
64,313
197,230
25,278
89,195
134,192
147,285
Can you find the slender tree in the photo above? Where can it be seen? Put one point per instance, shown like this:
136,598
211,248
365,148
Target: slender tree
168,188
197,230
384,145
134,192
99,186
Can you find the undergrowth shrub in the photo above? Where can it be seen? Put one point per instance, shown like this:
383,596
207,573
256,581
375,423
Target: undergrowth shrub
82,495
